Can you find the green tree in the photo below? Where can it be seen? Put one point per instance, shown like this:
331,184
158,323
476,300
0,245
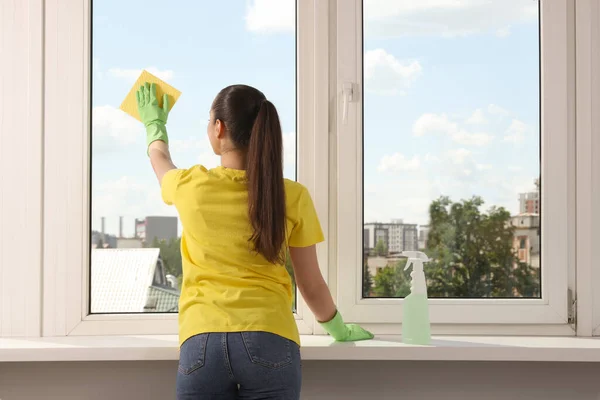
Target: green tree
381,248
472,253
367,281
472,256
170,253
392,281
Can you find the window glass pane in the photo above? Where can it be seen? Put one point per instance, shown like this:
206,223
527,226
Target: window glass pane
452,146
199,48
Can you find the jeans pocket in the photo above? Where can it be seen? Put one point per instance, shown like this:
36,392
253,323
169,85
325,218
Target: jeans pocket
267,349
192,354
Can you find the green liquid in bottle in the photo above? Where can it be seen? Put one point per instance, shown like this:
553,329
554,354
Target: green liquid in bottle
416,328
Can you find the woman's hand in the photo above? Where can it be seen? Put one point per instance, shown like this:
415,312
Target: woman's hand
343,332
154,118
152,115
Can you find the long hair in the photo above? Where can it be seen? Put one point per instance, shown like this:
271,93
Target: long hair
253,125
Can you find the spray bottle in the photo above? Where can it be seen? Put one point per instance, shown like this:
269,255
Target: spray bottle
416,328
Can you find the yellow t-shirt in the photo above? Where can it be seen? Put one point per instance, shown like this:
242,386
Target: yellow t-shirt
226,286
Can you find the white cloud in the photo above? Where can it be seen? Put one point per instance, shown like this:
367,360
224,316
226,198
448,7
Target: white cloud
271,16
128,197
477,118
410,199
113,130
472,139
398,162
448,18
459,173
431,158
381,9
407,198
497,110
459,156
440,124
503,32
516,132
194,150
192,144
456,168
433,123
384,74
133,74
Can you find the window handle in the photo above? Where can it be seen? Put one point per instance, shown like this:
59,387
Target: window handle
347,97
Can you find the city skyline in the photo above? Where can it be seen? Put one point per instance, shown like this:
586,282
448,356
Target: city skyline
526,222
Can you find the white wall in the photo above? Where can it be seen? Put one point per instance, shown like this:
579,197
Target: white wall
322,380
21,93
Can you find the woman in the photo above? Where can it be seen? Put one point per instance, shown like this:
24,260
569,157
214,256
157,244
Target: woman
238,336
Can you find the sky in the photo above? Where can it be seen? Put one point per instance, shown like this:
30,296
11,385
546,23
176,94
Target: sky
451,102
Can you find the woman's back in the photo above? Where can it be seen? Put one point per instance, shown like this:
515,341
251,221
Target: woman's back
227,286
236,326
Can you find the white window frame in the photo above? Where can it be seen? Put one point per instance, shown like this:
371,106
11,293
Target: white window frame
66,189
548,315
21,119
588,169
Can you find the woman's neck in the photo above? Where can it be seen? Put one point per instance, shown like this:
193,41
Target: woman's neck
234,160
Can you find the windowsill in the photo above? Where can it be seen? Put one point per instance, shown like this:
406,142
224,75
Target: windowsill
448,348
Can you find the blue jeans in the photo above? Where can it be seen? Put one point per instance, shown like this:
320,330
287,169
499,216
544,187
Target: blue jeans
244,365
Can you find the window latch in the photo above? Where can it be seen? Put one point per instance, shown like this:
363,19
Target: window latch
347,97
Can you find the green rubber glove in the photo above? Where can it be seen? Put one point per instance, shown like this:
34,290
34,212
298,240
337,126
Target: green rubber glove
152,115
342,332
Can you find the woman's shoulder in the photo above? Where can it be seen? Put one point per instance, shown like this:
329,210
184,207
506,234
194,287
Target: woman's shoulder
195,170
198,168
293,186
191,174
294,190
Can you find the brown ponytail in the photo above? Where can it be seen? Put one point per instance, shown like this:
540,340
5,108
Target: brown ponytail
266,193
253,125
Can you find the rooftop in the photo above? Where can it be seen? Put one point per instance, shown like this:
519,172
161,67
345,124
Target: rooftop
122,282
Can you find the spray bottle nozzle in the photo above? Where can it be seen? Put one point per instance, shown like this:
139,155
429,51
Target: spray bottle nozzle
416,260
414,257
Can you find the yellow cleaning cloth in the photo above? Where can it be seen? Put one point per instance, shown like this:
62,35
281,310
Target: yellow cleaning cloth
129,105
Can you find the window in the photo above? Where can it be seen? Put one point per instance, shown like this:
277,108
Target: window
335,153
451,139
105,183
445,117
135,238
